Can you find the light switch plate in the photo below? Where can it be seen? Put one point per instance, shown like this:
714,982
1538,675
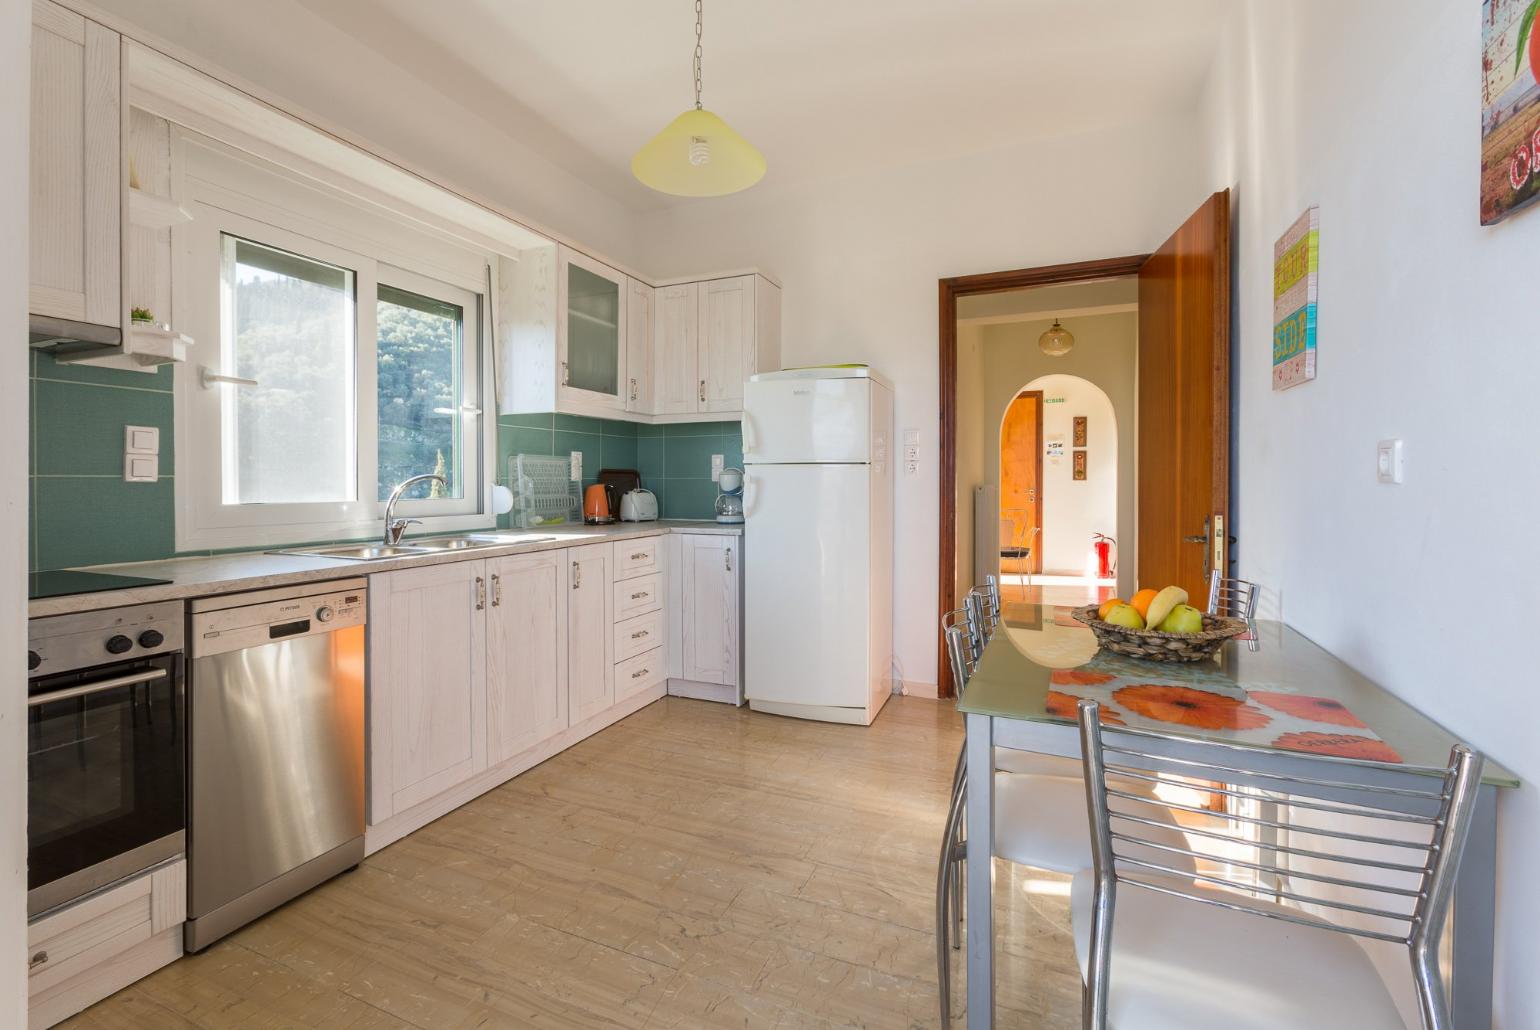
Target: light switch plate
717,462
141,468
911,437
141,440
1388,461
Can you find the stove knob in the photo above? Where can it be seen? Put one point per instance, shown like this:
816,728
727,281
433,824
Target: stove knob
151,638
118,644
324,613
33,660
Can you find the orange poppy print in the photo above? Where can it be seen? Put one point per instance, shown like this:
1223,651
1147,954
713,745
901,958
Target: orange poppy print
1339,745
1315,709
1067,706
1185,706
1078,677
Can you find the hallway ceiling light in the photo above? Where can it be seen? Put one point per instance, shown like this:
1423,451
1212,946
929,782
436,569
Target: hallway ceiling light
1057,341
698,154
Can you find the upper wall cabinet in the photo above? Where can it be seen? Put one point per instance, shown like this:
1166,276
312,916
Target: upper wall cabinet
639,337
77,171
592,301
676,328
708,338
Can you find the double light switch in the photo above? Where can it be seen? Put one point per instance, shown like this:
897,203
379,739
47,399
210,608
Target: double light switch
141,454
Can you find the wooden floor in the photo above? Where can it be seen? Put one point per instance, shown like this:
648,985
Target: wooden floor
692,866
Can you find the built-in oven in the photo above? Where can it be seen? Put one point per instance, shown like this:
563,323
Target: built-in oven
106,749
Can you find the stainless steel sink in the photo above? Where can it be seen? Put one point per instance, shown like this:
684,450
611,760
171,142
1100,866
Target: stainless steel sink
358,552
472,540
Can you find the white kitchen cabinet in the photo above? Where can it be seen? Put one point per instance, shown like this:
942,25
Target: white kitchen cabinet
725,351
78,177
526,652
639,334
676,329
590,671
427,682
593,300
710,571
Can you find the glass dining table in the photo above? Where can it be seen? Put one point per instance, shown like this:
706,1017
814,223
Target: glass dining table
1273,690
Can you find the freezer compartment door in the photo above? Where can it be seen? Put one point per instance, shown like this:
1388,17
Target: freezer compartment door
807,584
807,420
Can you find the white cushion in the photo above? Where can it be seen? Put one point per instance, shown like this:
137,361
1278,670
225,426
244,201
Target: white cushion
1043,822
1183,965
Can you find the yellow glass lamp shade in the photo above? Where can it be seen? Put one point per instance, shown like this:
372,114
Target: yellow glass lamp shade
698,155
1057,341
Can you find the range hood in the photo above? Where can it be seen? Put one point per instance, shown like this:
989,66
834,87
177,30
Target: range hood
64,337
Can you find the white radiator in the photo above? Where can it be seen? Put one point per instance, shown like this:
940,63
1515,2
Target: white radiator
986,531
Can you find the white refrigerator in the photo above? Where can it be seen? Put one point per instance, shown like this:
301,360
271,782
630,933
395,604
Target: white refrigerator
818,560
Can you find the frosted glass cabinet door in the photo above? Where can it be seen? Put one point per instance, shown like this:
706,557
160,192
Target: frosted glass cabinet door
592,337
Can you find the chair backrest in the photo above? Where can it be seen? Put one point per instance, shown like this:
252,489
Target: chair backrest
1390,876
1236,598
959,653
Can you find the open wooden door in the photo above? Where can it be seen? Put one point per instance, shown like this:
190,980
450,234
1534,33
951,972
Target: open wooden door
1021,485
1184,404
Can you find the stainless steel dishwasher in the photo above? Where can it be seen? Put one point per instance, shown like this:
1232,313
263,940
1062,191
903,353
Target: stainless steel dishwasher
276,749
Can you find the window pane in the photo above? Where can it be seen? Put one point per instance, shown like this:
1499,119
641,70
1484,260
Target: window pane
420,391
290,438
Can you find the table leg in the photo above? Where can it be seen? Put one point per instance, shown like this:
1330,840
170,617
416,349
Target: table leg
981,836
1469,968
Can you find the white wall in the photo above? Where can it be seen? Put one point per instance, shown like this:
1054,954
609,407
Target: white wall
15,89
860,259
1427,332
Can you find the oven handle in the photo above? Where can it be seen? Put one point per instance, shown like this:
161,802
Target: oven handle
149,675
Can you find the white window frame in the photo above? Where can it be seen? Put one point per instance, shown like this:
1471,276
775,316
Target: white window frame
203,520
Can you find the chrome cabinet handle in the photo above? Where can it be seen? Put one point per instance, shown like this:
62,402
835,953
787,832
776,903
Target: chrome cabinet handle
639,673
639,555
96,687
633,389
38,959
497,590
577,575
702,393
639,634
638,597
566,374
481,593
729,555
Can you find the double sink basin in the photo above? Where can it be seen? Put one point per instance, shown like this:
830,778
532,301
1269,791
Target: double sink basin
429,545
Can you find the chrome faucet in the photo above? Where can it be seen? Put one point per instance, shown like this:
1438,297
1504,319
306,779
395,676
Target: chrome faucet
394,527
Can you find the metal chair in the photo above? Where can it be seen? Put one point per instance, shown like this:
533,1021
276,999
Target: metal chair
1236,598
1039,822
1204,953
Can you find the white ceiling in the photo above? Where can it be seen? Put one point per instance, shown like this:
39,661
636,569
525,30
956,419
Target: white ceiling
824,88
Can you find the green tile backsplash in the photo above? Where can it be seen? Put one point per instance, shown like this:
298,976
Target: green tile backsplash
82,513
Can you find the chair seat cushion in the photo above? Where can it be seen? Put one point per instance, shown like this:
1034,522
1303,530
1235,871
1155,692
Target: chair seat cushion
1183,965
1042,821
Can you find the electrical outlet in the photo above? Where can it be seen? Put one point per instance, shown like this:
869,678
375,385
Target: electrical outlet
717,463
577,466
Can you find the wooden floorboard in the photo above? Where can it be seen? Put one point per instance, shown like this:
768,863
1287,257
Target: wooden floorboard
694,865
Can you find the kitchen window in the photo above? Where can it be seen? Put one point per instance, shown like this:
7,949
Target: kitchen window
324,375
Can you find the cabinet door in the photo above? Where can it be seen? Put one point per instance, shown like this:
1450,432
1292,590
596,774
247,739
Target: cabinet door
674,387
76,168
639,363
590,672
710,568
427,683
726,342
526,652
591,333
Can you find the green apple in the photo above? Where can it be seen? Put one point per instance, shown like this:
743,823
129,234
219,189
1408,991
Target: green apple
1184,618
1127,616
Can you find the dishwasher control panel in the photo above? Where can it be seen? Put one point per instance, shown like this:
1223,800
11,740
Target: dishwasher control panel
269,616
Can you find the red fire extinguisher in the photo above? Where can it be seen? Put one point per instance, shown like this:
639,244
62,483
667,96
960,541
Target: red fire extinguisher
1103,545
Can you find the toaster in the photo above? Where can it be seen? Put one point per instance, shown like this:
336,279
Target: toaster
639,506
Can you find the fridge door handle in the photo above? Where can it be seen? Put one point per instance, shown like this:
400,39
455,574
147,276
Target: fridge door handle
746,428
748,494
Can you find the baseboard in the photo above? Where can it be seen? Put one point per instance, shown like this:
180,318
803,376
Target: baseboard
388,831
703,691
914,688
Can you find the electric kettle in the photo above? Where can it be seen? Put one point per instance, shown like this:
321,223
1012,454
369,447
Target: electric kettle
596,505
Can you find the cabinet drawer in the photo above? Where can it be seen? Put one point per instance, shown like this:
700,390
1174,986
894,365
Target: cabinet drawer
91,932
634,636
639,673
638,596
635,558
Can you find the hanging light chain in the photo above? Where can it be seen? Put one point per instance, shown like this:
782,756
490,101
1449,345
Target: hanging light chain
697,53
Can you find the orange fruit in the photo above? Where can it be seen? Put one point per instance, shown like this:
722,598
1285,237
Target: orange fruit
1107,606
1141,601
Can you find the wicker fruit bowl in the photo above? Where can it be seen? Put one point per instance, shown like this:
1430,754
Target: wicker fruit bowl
1156,646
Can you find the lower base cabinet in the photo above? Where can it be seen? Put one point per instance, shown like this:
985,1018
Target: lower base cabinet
590,673
705,658
527,644
80,954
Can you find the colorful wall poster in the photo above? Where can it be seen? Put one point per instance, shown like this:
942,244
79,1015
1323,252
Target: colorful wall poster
1080,460
1296,262
1510,107
1080,430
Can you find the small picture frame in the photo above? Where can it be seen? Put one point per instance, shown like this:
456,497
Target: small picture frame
1080,464
1080,421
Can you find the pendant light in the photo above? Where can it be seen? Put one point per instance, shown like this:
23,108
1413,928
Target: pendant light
698,154
1057,341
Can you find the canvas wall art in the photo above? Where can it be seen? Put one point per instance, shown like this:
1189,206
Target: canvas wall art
1080,430
1080,464
1510,107
1296,263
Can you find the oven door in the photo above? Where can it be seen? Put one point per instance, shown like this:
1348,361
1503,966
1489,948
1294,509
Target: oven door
106,796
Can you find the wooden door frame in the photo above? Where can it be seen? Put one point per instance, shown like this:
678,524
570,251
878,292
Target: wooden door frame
968,286
1035,561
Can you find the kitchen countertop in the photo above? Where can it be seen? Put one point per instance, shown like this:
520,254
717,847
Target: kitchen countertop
257,570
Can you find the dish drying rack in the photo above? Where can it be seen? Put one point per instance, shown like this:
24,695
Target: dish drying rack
543,491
